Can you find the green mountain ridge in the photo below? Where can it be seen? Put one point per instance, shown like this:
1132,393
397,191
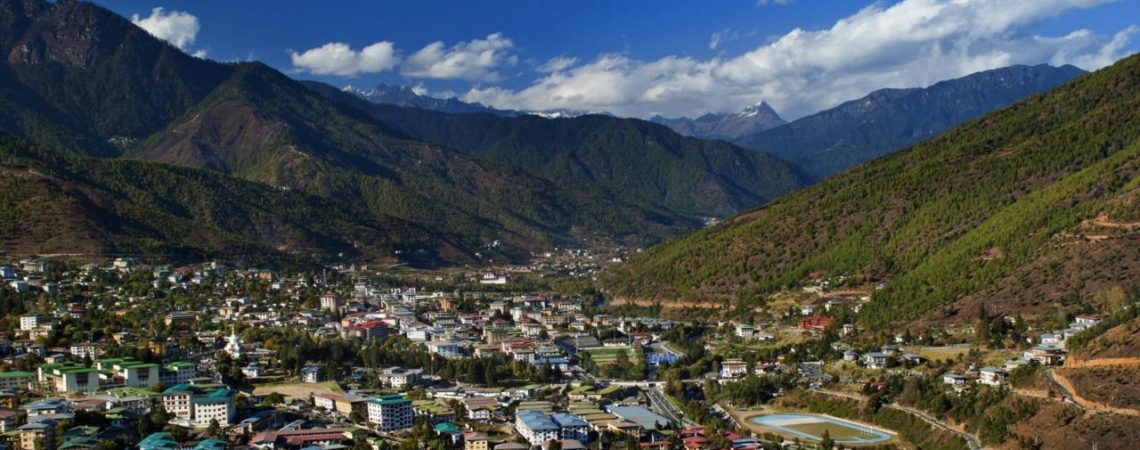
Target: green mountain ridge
1028,209
635,160
86,81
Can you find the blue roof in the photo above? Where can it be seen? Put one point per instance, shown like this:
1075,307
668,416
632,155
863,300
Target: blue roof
536,420
645,418
567,420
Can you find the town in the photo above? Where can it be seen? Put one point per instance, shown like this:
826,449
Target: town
212,356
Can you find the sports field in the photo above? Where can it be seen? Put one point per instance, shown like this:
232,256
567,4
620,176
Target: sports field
606,355
812,427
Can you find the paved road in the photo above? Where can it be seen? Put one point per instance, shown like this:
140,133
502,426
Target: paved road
972,441
663,406
1061,388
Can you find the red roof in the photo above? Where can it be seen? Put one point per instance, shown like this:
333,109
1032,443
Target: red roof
816,322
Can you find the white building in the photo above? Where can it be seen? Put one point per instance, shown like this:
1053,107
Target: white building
400,378
535,427
390,412
992,376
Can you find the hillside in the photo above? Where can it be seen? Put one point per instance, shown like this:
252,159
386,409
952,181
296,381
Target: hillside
64,204
1030,209
751,120
633,160
888,120
249,121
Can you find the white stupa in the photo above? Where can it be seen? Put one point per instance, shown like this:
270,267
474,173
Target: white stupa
233,347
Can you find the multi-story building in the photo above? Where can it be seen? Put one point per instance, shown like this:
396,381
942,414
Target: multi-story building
399,377
571,426
179,372
535,427
62,377
476,441
390,412
16,380
196,407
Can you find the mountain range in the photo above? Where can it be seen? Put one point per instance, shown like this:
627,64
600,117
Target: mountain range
1030,209
407,97
751,120
888,120
81,80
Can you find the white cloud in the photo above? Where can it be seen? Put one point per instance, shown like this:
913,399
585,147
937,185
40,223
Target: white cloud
557,64
772,2
337,58
476,60
179,28
905,44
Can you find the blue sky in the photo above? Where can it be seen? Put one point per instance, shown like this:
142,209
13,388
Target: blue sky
637,58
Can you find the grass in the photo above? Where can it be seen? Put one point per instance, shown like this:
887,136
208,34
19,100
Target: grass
607,355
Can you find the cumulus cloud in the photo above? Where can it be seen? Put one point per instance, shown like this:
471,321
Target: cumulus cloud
179,28
557,64
338,58
476,60
905,44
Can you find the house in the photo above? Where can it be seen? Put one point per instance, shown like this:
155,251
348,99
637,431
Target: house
992,376
252,370
1087,320
953,379
390,412
733,368
875,360
311,374
480,408
330,302
11,419
745,331
446,349
34,435
816,323
1045,355
400,378
476,441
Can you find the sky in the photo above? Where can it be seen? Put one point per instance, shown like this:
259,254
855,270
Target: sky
639,58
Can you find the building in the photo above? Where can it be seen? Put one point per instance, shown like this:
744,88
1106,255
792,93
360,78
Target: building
476,441
733,368
535,427
342,403
310,374
390,412
875,360
399,377
137,374
745,331
816,323
15,380
446,349
196,407
992,376
29,322
330,302
11,419
37,435
571,427
179,372
69,378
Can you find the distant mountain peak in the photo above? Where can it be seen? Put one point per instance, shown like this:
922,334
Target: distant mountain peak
406,96
752,119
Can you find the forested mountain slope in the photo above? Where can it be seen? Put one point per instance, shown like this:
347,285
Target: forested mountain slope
1034,208
887,120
